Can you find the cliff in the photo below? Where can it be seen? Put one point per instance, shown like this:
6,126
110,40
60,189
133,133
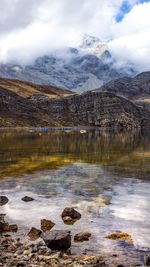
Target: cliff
100,109
96,109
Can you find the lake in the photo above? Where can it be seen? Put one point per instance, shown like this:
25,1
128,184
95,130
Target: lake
105,176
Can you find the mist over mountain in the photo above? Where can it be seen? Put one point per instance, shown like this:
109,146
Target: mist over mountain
86,67
32,28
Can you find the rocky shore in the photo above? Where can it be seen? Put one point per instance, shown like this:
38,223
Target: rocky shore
46,247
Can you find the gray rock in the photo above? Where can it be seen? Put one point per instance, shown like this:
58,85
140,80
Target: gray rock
57,240
3,200
27,199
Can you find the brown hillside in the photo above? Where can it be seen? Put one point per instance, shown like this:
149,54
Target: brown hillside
27,89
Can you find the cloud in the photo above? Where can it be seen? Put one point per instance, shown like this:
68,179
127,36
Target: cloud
32,28
50,24
16,14
132,38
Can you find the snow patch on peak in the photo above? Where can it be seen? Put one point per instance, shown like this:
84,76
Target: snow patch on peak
89,41
93,45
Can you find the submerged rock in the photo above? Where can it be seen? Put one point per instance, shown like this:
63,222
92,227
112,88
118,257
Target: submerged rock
70,215
91,261
27,199
34,233
57,240
46,225
120,236
13,228
2,216
83,236
5,227
3,200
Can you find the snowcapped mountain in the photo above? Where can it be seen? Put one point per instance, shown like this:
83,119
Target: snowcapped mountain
93,45
80,69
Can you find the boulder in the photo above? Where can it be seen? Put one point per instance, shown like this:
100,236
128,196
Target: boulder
57,240
27,199
46,225
34,233
3,200
70,215
83,236
147,260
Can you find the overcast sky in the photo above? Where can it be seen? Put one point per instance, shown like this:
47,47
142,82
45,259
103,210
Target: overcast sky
31,28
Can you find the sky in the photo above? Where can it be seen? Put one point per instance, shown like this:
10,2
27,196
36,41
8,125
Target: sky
32,28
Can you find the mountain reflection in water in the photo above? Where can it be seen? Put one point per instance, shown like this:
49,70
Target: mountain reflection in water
105,176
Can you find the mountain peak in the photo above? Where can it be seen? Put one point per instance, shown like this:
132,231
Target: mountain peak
89,41
93,45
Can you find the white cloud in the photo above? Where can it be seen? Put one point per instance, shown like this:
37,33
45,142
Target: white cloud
30,28
132,38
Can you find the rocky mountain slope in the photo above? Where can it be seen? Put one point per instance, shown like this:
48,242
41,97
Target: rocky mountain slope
96,109
137,88
86,67
100,109
16,109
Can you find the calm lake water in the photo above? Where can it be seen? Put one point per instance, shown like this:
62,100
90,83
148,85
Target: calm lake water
104,176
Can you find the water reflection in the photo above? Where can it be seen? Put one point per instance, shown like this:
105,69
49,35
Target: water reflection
25,152
105,176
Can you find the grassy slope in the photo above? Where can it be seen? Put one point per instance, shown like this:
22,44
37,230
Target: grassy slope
26,89
16,109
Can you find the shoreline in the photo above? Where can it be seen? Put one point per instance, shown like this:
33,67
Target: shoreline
19,249
15,251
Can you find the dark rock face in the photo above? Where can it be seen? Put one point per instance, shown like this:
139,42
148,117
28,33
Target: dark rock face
3,200
133,88
70,215
104,110
18,111
57,240
27,199
95,109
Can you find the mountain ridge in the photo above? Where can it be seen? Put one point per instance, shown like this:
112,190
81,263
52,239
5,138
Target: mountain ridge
90,109
135,88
